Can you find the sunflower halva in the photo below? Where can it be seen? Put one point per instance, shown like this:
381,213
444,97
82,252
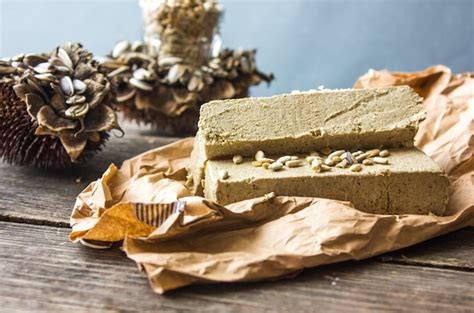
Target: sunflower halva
319,144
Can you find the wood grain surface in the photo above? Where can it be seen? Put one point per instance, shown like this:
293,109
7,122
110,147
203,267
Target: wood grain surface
42,271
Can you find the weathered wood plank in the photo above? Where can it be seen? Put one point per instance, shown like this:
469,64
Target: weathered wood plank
454,250
46,197
41,270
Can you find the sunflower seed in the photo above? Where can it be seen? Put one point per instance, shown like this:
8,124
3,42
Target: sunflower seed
368,162
120,48
44,67
356,168
126,96
384,153
46,77
195,84
109,63
137,46
237,159
342,164
276,166
259,155
328,162
64,57
140,84
118,71
33,60
142,74
294,163
362,157
223,174
356,154
283,159
79,86
169,61
325,168
373,152
336,153
67,85
335,159
316,165
76,99
176,72
63,69
380,160
77,110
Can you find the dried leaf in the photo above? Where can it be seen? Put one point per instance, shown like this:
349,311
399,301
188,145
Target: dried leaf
47,117
34,103
57,102
21,90
102,118
74,145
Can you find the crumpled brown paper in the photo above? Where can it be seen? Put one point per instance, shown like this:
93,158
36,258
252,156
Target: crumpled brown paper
179,239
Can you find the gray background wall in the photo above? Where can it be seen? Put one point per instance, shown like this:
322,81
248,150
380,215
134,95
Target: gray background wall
305,43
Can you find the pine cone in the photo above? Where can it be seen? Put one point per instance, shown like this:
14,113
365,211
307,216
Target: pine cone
54,108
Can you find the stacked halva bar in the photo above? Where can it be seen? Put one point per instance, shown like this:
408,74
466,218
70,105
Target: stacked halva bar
353,145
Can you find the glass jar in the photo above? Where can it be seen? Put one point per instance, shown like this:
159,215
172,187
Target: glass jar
182,29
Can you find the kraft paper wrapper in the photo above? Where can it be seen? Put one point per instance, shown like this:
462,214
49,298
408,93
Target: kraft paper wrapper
180,239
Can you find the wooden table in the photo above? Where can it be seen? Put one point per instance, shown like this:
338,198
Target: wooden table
40,270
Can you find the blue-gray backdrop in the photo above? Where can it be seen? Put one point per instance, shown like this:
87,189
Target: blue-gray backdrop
305,43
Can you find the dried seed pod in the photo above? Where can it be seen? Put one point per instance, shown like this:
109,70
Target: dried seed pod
42,123
186,73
